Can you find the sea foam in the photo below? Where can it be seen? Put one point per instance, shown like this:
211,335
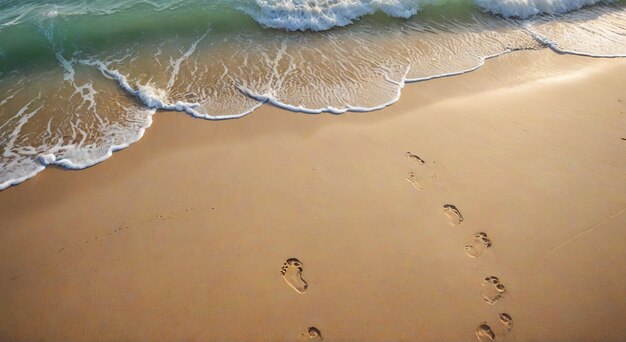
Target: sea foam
528,8
320,15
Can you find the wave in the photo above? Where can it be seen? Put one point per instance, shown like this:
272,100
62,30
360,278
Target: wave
321,15
528,8
290,15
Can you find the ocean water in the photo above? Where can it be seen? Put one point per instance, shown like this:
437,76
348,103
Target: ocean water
80,79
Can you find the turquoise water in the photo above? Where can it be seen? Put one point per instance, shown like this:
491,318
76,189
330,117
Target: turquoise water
80,79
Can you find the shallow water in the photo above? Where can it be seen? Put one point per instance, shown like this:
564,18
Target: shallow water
81,79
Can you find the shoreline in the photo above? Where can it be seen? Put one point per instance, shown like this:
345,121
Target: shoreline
182,235
152,104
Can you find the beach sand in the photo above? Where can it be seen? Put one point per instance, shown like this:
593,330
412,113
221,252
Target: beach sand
182,236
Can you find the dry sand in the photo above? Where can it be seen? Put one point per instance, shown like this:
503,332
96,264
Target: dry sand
182,236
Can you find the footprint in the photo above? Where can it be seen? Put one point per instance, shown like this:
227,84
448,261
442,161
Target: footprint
477,246
492,290
484,332
415,158
412,178
312,333
292,273
454,215
506,319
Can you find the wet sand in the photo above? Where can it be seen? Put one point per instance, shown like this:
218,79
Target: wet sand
502,191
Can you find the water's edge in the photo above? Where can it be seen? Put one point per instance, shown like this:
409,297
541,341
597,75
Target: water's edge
105,93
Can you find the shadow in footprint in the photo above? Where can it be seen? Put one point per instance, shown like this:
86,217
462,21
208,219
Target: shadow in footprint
292,273
415,158
479,243
454,215
312,334
484,332
492,290
507,321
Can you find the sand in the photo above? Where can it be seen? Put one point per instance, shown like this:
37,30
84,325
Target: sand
186,235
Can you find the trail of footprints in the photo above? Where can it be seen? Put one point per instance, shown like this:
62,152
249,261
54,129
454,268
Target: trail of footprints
476,245
492,287
291,270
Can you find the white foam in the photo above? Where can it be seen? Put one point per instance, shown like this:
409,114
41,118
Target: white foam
21,172
52,14
24,115
76,158
47,159
155,98
320,15
599,31
528,8
24,162
23,176
175,64
556,47
271,98
482,62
